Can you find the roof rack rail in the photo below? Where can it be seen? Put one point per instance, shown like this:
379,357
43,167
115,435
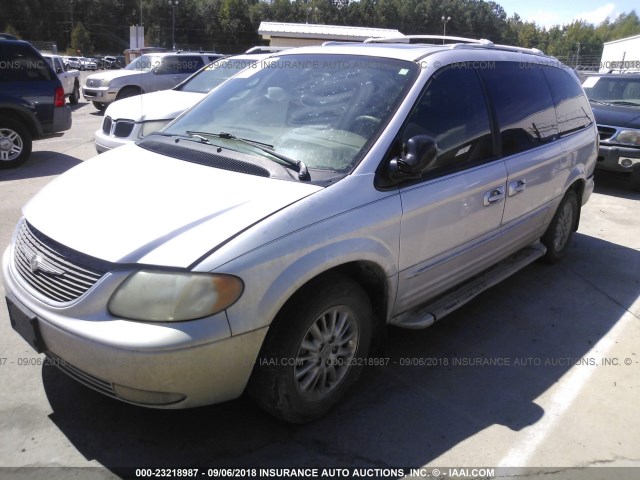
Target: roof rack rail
409,38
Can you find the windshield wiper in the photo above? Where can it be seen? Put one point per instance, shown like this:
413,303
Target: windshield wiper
625,103
599,102
298,165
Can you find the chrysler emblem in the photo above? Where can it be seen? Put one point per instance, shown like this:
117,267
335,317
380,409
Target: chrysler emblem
39,264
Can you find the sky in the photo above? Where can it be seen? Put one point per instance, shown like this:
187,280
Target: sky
547,13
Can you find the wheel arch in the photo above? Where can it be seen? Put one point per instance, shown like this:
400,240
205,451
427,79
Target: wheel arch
23,117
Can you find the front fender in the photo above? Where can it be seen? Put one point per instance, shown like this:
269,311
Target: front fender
273,272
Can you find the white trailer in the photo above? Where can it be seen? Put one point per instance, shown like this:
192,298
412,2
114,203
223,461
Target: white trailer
621,56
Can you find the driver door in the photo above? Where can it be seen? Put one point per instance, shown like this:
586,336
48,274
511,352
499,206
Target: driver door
451,217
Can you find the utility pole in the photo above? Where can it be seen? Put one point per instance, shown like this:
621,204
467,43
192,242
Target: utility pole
173,4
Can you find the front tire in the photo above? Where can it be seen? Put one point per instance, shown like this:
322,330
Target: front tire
635,179
559,232
100,106
15,143
314,350
127,92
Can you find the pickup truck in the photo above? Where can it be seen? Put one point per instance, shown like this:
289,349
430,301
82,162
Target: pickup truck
69,78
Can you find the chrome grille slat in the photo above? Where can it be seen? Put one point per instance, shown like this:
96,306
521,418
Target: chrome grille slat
55,293
59,281
58,275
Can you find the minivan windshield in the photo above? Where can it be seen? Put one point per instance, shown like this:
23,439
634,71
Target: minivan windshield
617,89
323,110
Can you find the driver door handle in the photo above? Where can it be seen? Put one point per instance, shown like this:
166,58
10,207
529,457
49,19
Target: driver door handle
493,196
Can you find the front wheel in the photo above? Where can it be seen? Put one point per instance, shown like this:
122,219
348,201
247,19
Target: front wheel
314,351
635,179
100,106
127,92
559,232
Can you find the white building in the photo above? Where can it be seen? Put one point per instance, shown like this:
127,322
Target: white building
621,55
282,34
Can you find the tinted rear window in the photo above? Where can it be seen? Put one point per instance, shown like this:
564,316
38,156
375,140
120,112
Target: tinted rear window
20,63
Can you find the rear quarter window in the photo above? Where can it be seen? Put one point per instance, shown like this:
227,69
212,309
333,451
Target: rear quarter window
572,107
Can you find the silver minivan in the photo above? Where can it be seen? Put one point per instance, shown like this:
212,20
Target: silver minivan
266,237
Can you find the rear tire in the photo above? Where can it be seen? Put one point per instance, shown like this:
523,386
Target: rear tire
75,95
559,232
15,143
314,350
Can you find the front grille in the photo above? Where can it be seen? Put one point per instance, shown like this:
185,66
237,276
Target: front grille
123,128
605,133
106,125
93,83
83,377
52,270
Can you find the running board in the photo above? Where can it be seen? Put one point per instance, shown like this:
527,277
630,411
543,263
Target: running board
425,315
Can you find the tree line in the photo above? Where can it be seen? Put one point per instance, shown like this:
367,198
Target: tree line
230,26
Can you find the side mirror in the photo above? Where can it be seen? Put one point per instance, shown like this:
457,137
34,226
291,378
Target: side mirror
418,153
59,70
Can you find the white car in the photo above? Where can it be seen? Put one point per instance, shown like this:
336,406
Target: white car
147,73
88,64
73,62
130,119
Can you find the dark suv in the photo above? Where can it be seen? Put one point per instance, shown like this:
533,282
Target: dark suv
615,99
32,101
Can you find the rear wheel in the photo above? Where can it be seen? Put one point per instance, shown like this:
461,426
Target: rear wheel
15,143
314,350
75,95
559,232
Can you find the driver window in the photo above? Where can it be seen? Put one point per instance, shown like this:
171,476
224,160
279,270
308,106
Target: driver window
453,112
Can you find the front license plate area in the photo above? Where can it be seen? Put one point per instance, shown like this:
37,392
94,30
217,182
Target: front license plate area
26,326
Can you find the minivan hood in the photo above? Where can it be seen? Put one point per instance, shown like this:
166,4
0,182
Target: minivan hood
131,205
616,116
162,105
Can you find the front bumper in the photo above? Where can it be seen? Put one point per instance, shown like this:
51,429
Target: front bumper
160,365
612,158
106,142
100,94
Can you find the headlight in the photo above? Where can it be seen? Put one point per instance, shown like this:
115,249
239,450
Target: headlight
104,82
630,137
154,126
174,296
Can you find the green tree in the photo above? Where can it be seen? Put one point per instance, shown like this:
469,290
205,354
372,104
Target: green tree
81,40
10,29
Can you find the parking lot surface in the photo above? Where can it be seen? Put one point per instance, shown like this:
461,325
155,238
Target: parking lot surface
542,370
